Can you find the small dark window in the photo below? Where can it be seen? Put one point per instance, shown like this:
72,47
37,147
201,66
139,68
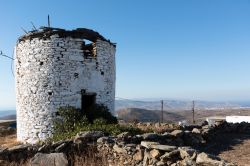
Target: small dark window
50,93
88,49
102,73
41,63
76,75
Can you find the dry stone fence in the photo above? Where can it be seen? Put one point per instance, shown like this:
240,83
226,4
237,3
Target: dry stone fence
175,147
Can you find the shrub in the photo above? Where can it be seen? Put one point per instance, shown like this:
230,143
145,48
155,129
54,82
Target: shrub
71,121
100,111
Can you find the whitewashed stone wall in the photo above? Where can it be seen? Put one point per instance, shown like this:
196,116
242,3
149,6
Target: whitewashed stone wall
51,73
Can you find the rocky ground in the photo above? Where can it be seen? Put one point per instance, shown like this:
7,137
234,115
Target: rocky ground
232,147
176,146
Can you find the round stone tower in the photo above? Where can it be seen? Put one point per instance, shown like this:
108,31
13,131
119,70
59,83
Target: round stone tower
57,68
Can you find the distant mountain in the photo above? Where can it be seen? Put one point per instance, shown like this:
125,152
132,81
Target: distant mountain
143,115
175,105
8,117
7,113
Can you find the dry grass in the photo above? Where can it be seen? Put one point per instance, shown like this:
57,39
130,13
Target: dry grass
8,141
7,136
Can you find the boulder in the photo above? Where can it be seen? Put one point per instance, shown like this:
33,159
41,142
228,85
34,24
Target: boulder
167,135
61,147
19,148
148,144
165,148
138,156
52,159
160,163
177,133
3,153
119,149
123,135
150,136
209,160
155,153
187,152
146,158
105,140
87,136
187,162
170,156
195,130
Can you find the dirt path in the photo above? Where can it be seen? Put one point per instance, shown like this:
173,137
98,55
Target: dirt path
239,154
234,148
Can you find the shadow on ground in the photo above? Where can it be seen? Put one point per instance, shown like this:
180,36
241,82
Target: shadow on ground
234,148
225,142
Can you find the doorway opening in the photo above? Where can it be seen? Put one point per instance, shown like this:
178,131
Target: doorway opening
88,100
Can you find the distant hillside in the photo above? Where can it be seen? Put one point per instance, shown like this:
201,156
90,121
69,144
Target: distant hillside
143,115
176,105
8,117
7,113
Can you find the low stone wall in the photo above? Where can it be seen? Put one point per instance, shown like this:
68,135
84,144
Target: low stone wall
178,147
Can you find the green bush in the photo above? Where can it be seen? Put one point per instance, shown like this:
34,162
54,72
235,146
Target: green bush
71,121
100,111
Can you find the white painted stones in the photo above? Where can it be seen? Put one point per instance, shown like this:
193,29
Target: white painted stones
50,73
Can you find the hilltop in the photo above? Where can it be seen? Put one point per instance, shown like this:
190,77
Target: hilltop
174,116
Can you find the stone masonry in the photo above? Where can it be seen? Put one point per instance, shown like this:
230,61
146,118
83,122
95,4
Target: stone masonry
54,67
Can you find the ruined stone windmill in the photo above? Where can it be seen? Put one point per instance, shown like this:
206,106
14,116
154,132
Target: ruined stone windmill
56,68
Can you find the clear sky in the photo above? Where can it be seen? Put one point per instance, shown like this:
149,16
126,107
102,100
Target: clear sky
176,49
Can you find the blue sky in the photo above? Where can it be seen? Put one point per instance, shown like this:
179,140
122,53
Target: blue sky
175,49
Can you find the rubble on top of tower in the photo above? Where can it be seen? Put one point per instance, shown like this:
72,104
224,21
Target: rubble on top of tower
46,32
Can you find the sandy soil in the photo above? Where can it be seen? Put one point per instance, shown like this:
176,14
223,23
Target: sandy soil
234,148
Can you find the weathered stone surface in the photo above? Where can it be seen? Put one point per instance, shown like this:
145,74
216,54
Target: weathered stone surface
169,155
155,153
177,133
150,136
132,153
167,135
61,147
52,72
208,160
88,136
118,149
52,159
165,148
146,158
18,148
105,140
187,162
148,144
195,130
187,152
160,163
138,156
122,135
